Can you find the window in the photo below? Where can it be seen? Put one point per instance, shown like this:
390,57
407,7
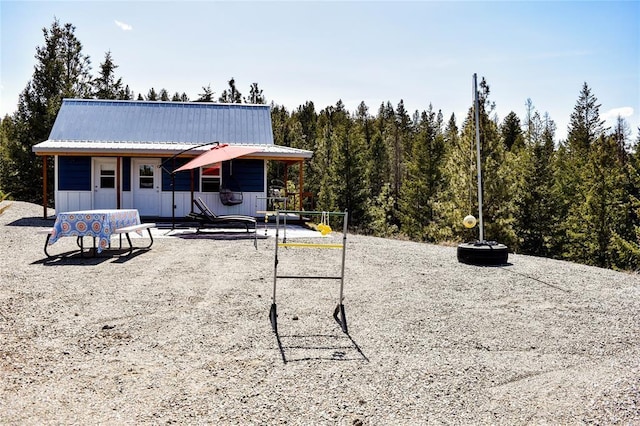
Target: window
107,176
146,176
210,177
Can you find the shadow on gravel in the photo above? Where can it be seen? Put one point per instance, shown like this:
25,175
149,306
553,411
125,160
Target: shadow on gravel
74,257
555,286
33,221
319,347
490,266
219,235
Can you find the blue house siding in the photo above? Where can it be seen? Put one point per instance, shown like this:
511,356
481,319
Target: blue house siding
74,173
248,175
126,174
182,179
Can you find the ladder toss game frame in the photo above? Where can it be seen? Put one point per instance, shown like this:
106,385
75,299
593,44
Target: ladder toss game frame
338,313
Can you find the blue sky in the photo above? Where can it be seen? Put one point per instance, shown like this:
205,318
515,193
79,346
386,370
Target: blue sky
423,52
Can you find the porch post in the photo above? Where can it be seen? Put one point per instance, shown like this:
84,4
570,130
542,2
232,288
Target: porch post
45,201
286,181
192,190
286,176
118,186
300,183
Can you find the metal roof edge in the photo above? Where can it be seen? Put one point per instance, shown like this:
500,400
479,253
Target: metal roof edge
49,147
165,102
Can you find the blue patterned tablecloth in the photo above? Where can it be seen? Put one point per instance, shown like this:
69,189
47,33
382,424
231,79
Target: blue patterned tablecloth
93,223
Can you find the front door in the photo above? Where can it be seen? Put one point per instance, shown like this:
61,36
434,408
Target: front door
104,183
146,186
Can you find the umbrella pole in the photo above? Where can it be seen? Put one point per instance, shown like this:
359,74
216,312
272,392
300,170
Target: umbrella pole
173,189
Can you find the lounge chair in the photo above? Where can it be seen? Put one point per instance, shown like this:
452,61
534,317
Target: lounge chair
208,219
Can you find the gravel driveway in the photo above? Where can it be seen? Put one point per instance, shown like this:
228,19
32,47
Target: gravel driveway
180,334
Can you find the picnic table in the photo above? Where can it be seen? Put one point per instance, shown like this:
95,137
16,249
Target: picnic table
99,224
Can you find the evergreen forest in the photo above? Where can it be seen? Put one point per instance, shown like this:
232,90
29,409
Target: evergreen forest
400,174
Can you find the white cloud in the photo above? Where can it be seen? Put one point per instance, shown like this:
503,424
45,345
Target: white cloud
613,113
123,26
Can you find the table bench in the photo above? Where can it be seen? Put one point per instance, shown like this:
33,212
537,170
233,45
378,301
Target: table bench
126,231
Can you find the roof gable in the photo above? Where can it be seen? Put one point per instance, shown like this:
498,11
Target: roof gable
162,122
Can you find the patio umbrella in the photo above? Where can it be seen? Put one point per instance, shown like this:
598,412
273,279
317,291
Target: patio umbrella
212,170
218,154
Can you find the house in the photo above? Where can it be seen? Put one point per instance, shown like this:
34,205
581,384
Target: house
124,154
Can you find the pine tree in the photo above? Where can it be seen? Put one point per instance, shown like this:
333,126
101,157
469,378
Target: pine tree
595,188
349,171
512,132
376,158
152,95
9,152
206,95
177,97
232,95
621,134
382,143
61,71
424,183
401,144
625,245
279,117
331,126
306,118
125,94
255,95
585,126
532,124
380,212
595,221
573,171
535,202
379,164
565,191
164,95
106,86
458,194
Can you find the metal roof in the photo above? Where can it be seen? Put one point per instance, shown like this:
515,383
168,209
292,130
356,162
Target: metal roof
113,127
164,122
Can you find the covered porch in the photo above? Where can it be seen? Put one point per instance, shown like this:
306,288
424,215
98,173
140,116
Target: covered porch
125,175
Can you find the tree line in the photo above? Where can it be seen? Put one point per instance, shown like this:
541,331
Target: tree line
400,174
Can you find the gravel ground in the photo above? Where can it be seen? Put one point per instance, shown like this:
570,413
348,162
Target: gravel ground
180,334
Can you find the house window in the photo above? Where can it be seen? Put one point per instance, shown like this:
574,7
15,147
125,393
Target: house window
210,177
146,176
107,176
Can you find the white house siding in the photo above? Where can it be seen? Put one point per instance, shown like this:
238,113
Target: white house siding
66,201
